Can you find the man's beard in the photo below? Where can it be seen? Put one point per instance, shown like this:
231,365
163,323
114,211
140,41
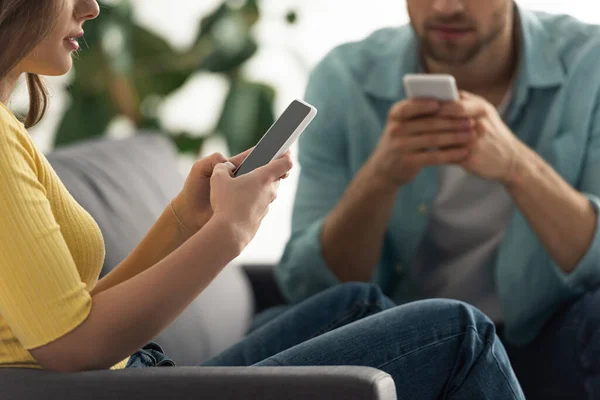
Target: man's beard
456,53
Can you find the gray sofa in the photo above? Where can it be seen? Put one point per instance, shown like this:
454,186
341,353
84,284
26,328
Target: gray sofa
125,185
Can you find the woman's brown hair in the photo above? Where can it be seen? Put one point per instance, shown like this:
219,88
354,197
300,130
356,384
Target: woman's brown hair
24,24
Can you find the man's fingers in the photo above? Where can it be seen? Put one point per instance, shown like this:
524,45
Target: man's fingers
470,107
430,125
410,109
438,157
436,140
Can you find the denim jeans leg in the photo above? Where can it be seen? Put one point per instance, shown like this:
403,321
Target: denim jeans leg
434,349
329,310
564,360
268,315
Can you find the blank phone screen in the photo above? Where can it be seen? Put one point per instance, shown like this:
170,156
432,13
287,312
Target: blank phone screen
275,137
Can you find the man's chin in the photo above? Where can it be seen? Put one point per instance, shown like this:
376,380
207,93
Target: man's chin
455,61
451,56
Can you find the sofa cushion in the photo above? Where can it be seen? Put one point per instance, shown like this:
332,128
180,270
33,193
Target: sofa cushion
125,185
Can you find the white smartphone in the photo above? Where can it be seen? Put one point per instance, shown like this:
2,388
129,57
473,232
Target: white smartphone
431,86
280,136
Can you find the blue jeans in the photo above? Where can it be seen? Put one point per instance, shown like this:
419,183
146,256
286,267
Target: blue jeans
564,361
152,355
434,349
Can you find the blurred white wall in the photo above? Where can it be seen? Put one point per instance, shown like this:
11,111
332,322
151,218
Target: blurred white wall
286,55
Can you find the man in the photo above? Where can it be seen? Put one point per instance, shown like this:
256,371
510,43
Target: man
492,200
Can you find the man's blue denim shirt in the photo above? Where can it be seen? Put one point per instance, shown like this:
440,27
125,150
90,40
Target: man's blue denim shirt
554,110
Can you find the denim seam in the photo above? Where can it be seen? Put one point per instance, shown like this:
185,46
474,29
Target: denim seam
419,349
445,340
491,344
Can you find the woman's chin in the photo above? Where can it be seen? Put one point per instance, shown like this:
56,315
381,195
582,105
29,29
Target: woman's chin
64,68
58,69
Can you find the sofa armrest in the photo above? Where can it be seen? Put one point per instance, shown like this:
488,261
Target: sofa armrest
194,383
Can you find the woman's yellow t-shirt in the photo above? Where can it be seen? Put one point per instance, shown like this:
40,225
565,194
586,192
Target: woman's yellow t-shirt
51,250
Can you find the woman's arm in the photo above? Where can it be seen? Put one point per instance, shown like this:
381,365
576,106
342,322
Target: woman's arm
126,316
165,236
186,215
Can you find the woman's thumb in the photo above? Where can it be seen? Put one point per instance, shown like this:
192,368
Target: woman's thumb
224,169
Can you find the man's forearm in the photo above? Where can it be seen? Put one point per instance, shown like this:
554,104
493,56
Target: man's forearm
352,234
563,218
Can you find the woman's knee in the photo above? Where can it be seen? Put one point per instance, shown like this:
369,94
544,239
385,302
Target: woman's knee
443,315
357,293
448,317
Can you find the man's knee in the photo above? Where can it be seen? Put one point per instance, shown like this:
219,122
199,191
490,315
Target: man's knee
589,317
593,298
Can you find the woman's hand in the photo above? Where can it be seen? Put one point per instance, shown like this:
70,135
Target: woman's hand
244,201
192,205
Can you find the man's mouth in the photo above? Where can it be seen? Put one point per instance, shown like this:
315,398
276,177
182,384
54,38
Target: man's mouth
450,32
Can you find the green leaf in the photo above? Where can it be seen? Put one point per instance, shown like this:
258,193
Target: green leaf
117,38
220,61
150,124
159,69
91,72
116,47
291,17
187,143
228,34
247,115
250,13
87,117
207,23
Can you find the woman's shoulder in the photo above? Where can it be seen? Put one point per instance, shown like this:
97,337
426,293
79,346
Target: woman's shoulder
8,119
15,142
11,128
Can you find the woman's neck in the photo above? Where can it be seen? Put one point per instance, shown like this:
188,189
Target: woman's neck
7,85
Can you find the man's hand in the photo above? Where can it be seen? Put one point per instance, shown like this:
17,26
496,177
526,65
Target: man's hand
495,151
417,135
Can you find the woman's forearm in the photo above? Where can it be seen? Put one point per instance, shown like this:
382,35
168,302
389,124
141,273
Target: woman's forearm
126,316
162,239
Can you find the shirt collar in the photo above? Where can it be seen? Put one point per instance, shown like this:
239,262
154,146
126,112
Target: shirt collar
390,64
540,64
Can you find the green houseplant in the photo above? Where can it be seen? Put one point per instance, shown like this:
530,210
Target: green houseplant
127,70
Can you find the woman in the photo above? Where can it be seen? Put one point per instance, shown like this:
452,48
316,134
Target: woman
52,306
